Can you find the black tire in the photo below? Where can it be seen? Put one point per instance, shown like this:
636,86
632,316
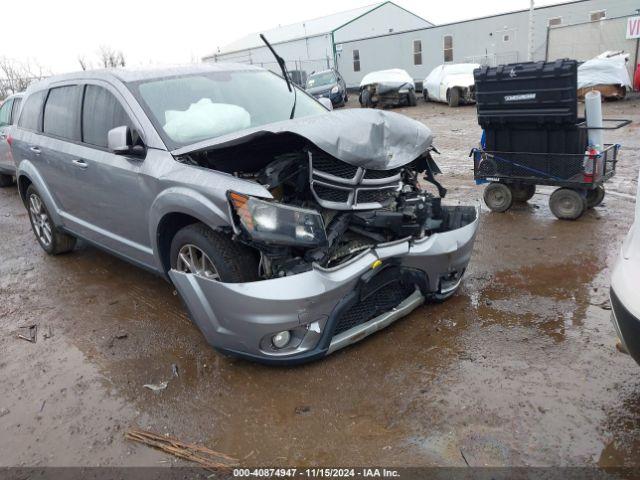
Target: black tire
365,99
346,98
413,101
567,204
60,242
522,193
425,95
498,197
234,262
6,180
453,97
595,196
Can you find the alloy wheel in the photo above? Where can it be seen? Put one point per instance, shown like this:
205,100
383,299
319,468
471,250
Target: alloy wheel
191,259
40,220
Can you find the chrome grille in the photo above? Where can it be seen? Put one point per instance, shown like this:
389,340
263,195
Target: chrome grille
340,186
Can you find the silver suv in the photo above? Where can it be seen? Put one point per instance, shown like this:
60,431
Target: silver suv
289,231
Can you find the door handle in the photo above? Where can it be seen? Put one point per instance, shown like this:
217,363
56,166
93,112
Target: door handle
80,163
35,150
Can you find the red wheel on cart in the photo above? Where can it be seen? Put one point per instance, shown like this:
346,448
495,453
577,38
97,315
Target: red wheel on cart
498,197
567,204
522,192
595,196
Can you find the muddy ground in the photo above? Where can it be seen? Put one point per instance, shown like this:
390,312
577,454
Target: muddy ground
519,368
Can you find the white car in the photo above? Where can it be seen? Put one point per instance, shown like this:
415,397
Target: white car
625,280
450,83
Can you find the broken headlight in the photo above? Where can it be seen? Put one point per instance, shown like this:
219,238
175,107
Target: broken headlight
278,224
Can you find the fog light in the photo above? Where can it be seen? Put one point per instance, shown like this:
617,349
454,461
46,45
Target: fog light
281,339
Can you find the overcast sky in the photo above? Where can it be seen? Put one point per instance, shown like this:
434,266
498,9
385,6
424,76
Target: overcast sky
55,33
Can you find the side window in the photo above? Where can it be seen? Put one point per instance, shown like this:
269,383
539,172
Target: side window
356,60
60,112
448,48
30,115
15,110
417,52
5,113
101,112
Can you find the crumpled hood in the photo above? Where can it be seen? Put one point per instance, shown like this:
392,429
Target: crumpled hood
361,137
320,89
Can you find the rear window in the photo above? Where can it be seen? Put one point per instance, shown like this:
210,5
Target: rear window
60,112
30,116
101,112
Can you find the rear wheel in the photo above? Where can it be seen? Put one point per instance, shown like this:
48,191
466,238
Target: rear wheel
453,97
425,95
567,204
212,255
523,193
498,197
51,238
595,196
6,180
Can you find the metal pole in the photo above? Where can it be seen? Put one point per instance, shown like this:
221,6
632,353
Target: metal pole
530,49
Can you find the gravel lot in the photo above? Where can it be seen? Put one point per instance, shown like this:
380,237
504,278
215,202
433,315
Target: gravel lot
520,368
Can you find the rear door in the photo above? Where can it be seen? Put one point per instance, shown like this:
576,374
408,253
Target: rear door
53,153
6,161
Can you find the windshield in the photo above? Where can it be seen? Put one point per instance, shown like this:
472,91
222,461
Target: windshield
197,107
321,79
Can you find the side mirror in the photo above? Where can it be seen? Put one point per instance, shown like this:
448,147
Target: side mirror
326,103
120,142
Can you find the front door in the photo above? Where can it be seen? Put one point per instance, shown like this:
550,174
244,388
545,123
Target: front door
110,196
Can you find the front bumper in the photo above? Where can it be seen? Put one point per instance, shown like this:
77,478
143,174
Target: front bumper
240,318
336,98
627,326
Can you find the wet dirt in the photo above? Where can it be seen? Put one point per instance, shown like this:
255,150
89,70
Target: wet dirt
519,368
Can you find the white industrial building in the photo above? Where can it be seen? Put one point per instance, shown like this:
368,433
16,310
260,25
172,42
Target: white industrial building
312,44
386,35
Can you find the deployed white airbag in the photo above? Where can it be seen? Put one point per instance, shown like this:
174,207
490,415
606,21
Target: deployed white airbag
604,71
205,119
393,76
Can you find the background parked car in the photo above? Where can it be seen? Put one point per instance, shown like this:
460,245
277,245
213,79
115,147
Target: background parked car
625,303
328,84
452,84
392,88
8,117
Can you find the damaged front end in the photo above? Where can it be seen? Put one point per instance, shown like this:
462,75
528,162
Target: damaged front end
354,236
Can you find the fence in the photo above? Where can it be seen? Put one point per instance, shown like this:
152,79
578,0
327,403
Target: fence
494,59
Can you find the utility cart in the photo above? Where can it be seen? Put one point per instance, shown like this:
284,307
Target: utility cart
513,176
532,136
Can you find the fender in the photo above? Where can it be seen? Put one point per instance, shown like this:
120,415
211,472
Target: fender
183,200
27,169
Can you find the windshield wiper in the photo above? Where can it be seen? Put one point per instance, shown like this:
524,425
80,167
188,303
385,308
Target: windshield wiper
285,74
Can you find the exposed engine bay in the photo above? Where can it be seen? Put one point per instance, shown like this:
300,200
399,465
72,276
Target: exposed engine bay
326,210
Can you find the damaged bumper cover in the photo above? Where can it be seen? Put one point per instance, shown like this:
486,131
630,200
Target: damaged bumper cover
326,309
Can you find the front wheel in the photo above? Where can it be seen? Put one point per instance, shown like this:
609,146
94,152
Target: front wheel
201,251
498,197
6,180
51,238
453,98
567,204
595,196
413,101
